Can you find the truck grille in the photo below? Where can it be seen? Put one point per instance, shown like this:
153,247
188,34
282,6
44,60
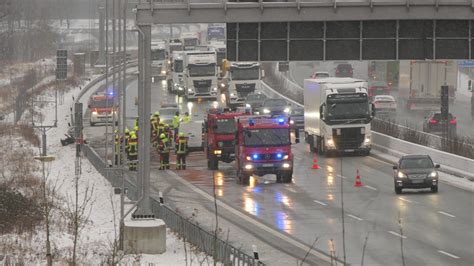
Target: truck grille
349,138
244,89
202,86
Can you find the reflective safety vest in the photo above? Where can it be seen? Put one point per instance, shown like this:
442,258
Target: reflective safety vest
182,145
186,119
175,122
117,143
133,148
164,147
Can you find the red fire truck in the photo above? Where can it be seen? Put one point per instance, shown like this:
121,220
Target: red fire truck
219,132
263,146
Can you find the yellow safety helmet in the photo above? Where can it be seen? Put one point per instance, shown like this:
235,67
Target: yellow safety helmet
162,136
127,131
135,128
156,113
133,136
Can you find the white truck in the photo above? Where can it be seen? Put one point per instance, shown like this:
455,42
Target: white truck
159,62
243,79
175,83
193,130
337,115
200,75
190,40
419,85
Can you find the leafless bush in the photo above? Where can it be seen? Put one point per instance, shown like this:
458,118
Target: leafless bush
387,127
28,133
462,146
412,135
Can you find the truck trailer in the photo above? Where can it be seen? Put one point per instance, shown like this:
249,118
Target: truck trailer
419,86
337,115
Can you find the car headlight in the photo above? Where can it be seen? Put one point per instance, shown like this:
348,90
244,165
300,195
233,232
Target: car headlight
248,166
190,90
286,165
248,105
222,85
180,88
266,111
232,95
248,158
367,141
94,113
433,174
217,152
163,72
330,142
286,157
214,89
176,84
287,110
292,122
401,175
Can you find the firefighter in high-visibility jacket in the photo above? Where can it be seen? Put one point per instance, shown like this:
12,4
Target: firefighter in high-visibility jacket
155,123
132,152
186,118
164,150
175,123
181,151
126,137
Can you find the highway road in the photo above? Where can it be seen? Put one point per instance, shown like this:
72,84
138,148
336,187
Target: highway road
460,108
434,229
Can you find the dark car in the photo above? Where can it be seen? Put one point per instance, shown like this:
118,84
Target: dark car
275,106
344,71
415,171
297,117
255,101
436,125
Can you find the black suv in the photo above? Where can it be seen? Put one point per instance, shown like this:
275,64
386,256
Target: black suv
415,171
434,124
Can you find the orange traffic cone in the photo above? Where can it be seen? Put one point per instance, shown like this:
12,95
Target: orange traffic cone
358,182
315,163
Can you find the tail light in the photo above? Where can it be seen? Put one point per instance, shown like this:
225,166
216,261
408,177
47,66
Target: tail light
453,121
433,121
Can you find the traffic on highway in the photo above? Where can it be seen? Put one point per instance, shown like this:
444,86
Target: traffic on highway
309,170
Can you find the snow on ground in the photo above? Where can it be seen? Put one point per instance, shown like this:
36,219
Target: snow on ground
99,232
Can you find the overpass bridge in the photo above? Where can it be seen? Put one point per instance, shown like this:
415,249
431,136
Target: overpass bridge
329,29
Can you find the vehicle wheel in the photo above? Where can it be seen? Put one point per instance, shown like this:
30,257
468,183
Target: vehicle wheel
398,190
279,178
288,177
434,189
321,147
212,163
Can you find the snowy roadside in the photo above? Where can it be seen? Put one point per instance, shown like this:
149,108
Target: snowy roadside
96,238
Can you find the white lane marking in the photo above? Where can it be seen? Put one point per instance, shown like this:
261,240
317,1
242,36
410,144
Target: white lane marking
369,187
397,234
447,214
250,219
448,254
291,189
403,199
381,161
320,202
355,217
341,176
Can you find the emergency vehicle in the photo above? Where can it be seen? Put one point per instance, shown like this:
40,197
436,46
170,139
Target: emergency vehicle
263,146
219,133
102,110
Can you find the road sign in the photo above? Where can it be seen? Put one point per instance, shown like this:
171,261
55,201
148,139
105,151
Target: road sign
61,64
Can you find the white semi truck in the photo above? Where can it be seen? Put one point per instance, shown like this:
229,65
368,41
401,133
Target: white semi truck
190,40
337,115
419,85
175,83
159,63
200,74
243,79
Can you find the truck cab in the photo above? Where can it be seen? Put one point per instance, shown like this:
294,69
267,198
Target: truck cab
159,62
200,75
244,78
219,133
263,146
190,40
175,84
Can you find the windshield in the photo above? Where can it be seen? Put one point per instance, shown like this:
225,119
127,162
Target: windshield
416,163
202,70
347,106
191,42
102,103
321,75
297,111
275,102
225,126
256,97
178,66
168,111
216,32
175,47
245,73
158,54
266,137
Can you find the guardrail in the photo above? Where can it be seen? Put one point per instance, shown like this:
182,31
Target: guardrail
452,163
205,241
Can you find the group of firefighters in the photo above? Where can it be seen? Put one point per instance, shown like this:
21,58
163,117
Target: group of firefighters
162,138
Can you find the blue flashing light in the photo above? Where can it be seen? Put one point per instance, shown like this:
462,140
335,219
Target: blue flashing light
279,155
281,121
251,122
255,156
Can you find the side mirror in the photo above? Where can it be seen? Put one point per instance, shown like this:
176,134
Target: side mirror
322,110
395,167
437,166
372,110
469,85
